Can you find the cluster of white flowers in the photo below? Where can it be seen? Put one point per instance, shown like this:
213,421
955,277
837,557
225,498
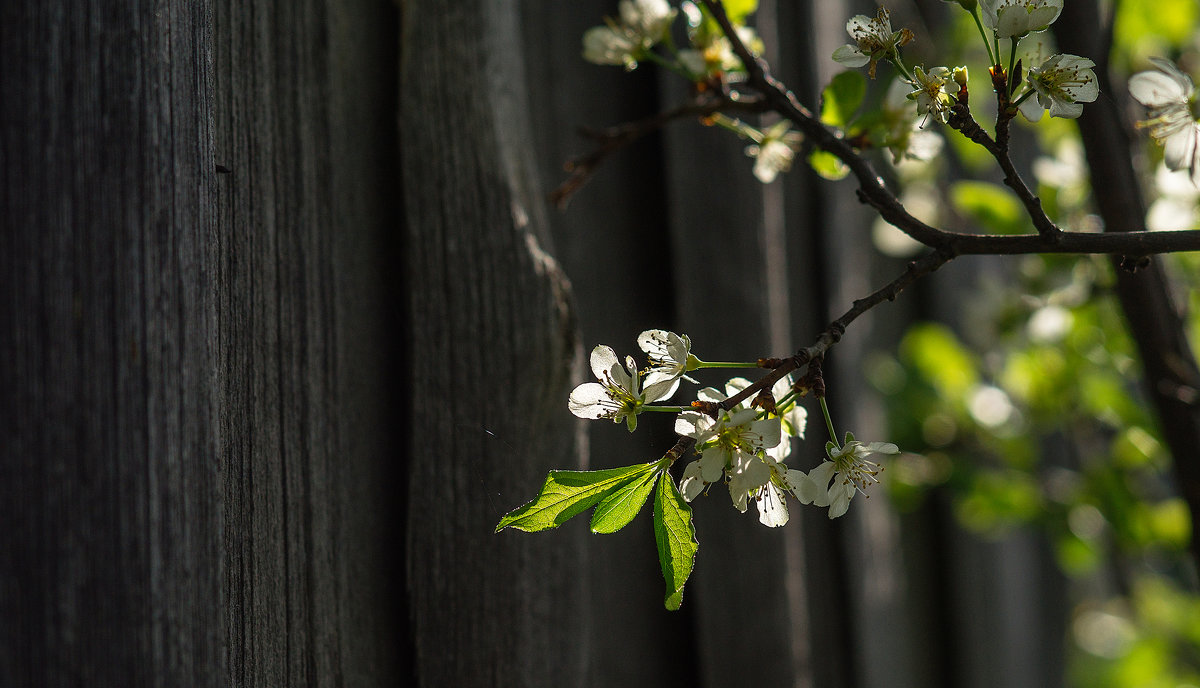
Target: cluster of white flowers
642,25
1061,83
744,446
1168,95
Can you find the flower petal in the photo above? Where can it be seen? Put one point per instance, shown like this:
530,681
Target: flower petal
839,498
691,484
772,508
695,425
658,388
1179,149
712,464
591,401
603,360
850,56
1155,89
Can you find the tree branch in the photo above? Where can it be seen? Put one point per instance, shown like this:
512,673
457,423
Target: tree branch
833,333
962,120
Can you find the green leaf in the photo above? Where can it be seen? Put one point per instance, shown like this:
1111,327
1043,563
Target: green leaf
990,205
738,10
567,493
842,97
828,165
621,505
676,538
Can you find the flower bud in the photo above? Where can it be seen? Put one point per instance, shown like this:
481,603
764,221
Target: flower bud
960,76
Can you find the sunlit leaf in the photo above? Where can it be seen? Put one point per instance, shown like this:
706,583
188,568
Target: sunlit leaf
567,493
828,165
617,509
841,97
991,206
676,538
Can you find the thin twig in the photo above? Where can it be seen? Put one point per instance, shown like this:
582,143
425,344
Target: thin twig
614,138
833,333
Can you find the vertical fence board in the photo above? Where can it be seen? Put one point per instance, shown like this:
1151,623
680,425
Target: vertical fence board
493,345
110,555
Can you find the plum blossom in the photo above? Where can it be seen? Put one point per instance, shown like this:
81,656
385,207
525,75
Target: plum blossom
874,41
847,470
712,54
1062,84
670,356
770,498
904,136
749,453
618,394
730,446
610,45
933,92
775,152
1168,95
647,18
1016,18
643,24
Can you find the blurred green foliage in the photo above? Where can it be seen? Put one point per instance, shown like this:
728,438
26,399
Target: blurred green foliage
1031,415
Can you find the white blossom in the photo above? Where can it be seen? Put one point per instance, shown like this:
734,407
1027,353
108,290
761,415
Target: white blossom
1015,18
647,18
933,92
904,136
714,55
618,394
846,471
775,152
643,24
1062,83
1168,95
670,356
770,498
874,40
610,45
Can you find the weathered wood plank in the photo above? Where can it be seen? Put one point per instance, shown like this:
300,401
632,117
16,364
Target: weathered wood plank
110,556
304,103
493,345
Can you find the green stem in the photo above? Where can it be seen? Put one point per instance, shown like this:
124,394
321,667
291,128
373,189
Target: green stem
1012,60
781,404
829,424
983,34
738,127
1023,98
727,364
659,60
903,70
667,409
